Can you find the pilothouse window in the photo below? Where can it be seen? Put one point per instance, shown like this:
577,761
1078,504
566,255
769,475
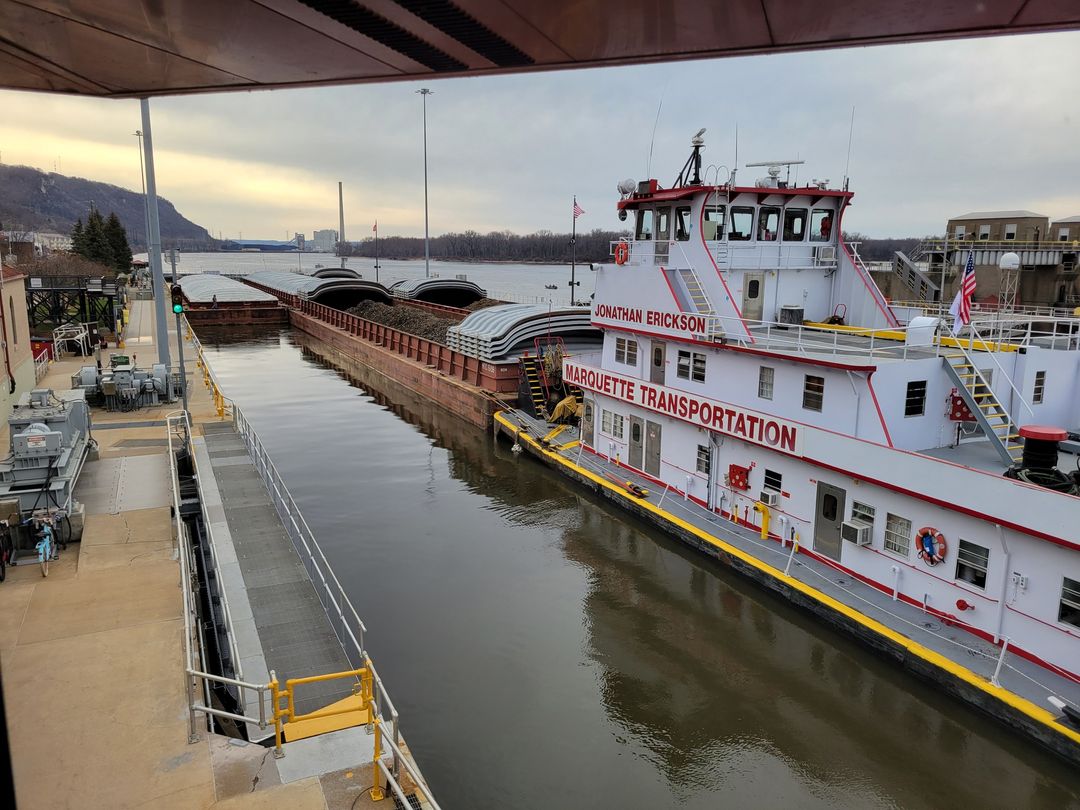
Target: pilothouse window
645,224
663,223
794,224
821,225
742,223
712,223
768,223
682,224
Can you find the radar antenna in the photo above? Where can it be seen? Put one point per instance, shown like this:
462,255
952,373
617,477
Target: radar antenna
692,163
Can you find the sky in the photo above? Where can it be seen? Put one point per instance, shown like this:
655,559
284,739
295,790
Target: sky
939,129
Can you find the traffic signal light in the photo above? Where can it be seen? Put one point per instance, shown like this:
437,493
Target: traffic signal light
177,298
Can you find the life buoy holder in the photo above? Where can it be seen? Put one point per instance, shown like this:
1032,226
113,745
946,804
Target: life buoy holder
930,545
622,253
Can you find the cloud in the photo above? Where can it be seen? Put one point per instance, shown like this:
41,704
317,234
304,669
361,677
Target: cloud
939,128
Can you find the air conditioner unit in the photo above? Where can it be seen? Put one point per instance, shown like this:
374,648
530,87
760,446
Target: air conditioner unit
825,253
769,497
855,532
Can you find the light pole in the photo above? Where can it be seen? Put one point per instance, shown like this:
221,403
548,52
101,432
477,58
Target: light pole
146,211
424,93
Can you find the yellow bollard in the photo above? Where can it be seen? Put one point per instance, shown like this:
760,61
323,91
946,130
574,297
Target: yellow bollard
764,510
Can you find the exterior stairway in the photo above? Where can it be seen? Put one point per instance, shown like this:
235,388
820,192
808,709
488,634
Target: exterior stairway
921,286
997,424
530,372
698,299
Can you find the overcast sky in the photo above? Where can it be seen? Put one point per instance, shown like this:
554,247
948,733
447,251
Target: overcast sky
940,129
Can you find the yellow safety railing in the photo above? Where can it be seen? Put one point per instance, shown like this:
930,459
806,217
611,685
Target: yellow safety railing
287,713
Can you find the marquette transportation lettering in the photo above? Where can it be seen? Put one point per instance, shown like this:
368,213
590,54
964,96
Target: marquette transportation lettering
757,396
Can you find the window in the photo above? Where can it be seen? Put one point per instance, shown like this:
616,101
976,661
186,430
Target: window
794,224
1010,231
682,224
897,534
704,459
1063,234
663,223
644,224
959,232
691,366
813,395
14,326
742,223
1069,609
820,225
984,233
863,513
1040,387
971,563
753,288
713,223
768,223
828,506
626,351
915,403
611,424
658,356
766,375
773,481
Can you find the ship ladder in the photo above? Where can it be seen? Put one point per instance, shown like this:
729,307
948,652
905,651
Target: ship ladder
529,366
993,418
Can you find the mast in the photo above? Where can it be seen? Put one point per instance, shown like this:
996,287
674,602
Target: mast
573,248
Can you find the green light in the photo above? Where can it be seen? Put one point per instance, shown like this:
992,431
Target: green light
178,308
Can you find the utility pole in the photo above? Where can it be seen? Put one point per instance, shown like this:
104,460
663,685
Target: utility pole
424,93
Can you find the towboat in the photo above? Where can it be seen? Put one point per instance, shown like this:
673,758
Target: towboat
910,476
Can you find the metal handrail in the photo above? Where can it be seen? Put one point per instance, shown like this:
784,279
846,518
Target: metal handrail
193,673
337,603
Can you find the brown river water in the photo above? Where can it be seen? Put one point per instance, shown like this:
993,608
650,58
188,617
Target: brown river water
548,651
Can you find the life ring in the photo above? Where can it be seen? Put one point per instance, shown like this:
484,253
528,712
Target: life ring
622,253
930,545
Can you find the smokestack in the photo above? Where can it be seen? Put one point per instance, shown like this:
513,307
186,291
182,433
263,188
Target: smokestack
341,221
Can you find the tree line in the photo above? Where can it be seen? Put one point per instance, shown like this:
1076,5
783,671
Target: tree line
102,240
542,247
547,247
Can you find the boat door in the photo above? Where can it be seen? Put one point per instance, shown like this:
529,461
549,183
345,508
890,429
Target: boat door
652,448
637,438
662,245
658,362
827,519
714,469
753,299
587,423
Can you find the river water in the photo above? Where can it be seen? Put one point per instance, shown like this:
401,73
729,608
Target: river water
524,283
548,651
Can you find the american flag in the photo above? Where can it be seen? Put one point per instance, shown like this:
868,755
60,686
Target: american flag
578,210
961,305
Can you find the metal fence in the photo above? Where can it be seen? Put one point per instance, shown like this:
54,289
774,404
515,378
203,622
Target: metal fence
343,617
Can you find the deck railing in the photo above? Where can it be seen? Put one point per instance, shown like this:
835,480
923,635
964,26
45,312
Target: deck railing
41,365
344,619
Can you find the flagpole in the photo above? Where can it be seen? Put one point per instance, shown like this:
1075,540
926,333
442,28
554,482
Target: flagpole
573,247
376,251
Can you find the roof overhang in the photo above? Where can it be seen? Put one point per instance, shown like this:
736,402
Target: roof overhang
130,48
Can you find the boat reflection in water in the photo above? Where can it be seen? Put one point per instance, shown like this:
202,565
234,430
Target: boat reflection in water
549,651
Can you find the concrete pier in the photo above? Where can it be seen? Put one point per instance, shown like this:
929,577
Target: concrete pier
92,660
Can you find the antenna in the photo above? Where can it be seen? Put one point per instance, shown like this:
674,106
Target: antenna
652,140
735,165
851,133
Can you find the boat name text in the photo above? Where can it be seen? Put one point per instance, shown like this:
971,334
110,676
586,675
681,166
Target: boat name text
752,426
682,321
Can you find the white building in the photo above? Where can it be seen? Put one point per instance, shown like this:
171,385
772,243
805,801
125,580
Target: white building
325,241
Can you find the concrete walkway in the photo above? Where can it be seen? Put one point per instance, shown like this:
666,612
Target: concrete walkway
91,658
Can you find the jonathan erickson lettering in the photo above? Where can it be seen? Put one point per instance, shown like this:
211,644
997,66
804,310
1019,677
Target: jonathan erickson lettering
678,321
754,427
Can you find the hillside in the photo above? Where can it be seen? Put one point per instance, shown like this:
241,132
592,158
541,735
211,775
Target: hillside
32,200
